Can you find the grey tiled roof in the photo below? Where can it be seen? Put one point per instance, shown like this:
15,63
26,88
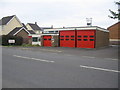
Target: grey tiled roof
5,20
46,27
14,31
31,32
24,26
34,26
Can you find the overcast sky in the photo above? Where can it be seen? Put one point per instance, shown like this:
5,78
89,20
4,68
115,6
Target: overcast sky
60,13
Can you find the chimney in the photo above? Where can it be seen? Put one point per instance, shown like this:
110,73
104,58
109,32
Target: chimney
35,22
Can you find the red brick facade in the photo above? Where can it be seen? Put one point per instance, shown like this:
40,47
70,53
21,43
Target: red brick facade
114,31
25,37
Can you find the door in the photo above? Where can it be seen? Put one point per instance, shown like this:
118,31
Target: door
67,38
47,41
86,38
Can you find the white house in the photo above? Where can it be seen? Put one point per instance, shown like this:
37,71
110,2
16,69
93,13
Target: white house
34,27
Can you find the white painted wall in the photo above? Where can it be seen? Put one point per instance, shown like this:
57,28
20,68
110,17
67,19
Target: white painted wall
29,27
78,28
38,42
0,30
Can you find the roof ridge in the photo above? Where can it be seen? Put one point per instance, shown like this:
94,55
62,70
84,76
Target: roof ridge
114,24
30,23
8,16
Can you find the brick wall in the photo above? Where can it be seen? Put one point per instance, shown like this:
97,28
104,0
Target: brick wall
102,39
56,41
114,30
24,35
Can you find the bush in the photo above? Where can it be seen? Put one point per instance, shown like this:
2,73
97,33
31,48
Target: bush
18,40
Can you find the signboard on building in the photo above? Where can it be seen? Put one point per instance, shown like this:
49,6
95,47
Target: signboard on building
11,41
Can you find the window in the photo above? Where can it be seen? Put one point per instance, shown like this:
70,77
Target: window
67,39
85,39
45,39
91,36
35,39
61,36
56,31
67,36
49,39
91,39
79,39
79,36
85,36
72,39
51,31
61,39
72,36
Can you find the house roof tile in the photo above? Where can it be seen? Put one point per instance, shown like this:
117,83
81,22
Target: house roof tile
14,30
5,20
34,26
31,32
24,26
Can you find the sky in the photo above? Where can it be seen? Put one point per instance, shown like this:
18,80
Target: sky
59,13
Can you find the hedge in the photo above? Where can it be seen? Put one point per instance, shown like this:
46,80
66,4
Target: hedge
18,40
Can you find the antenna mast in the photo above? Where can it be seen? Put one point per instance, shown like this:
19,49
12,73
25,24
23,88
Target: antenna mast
89,21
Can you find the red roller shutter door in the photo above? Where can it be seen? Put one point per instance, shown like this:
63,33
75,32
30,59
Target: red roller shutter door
47,41
67,38
86,38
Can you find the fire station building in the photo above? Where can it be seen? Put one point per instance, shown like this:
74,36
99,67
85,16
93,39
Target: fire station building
79,37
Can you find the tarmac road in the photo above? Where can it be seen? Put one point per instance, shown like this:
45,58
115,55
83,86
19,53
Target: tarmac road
55,67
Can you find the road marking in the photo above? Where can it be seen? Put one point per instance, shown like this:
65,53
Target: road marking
103,58
54,53
68,55
102,69
25,48
114,59
88,57
33,58
51,50
111,58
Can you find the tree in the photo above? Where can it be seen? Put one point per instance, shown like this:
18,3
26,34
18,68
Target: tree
116,15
